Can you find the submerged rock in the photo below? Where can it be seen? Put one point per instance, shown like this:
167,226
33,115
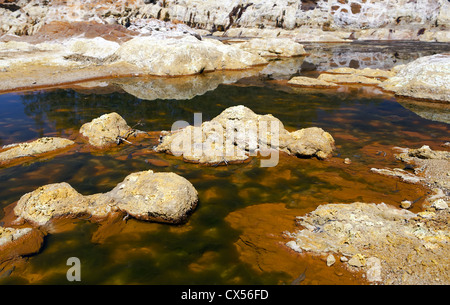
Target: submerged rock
8,235
162,197
34,148
238,133
367,72
427,78
15,242
106,130
348,79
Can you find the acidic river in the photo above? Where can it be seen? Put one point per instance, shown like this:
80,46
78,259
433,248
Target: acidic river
235,235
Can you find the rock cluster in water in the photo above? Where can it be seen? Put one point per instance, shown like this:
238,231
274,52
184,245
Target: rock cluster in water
238,132
162,197
425,78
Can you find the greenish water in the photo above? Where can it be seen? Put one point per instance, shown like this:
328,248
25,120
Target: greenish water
165,254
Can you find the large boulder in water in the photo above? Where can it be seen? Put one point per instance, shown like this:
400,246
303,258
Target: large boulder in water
427,78
162,197
237,133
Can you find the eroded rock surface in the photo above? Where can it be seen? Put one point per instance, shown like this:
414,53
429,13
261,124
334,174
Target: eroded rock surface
16,242
237,133
162,197
393,246
367,72
32,149
431,168
427,78
273,47
348,79
107,129
433,165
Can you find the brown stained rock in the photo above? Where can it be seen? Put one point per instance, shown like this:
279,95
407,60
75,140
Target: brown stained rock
106,130
33,149
261,244
162,197
16,242
311,141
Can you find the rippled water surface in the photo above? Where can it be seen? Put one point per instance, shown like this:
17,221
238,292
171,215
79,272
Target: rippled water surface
365,123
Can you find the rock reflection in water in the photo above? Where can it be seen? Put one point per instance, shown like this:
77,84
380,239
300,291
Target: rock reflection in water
180,88
365,54
439,112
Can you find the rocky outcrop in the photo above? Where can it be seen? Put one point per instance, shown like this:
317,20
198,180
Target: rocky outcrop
185,56
24,64
16,242
8,235
432,165
32,149
161,197
431,168
106,130
391,245
427,78
237,133
334,77
399,19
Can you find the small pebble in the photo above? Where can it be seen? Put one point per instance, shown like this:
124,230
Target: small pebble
406,204
330,260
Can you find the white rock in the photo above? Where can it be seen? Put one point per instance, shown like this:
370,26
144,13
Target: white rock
440,204
374,269
330,260
427,78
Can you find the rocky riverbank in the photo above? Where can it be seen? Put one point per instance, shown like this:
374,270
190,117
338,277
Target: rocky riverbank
322,20
158,43
426,78
389,243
